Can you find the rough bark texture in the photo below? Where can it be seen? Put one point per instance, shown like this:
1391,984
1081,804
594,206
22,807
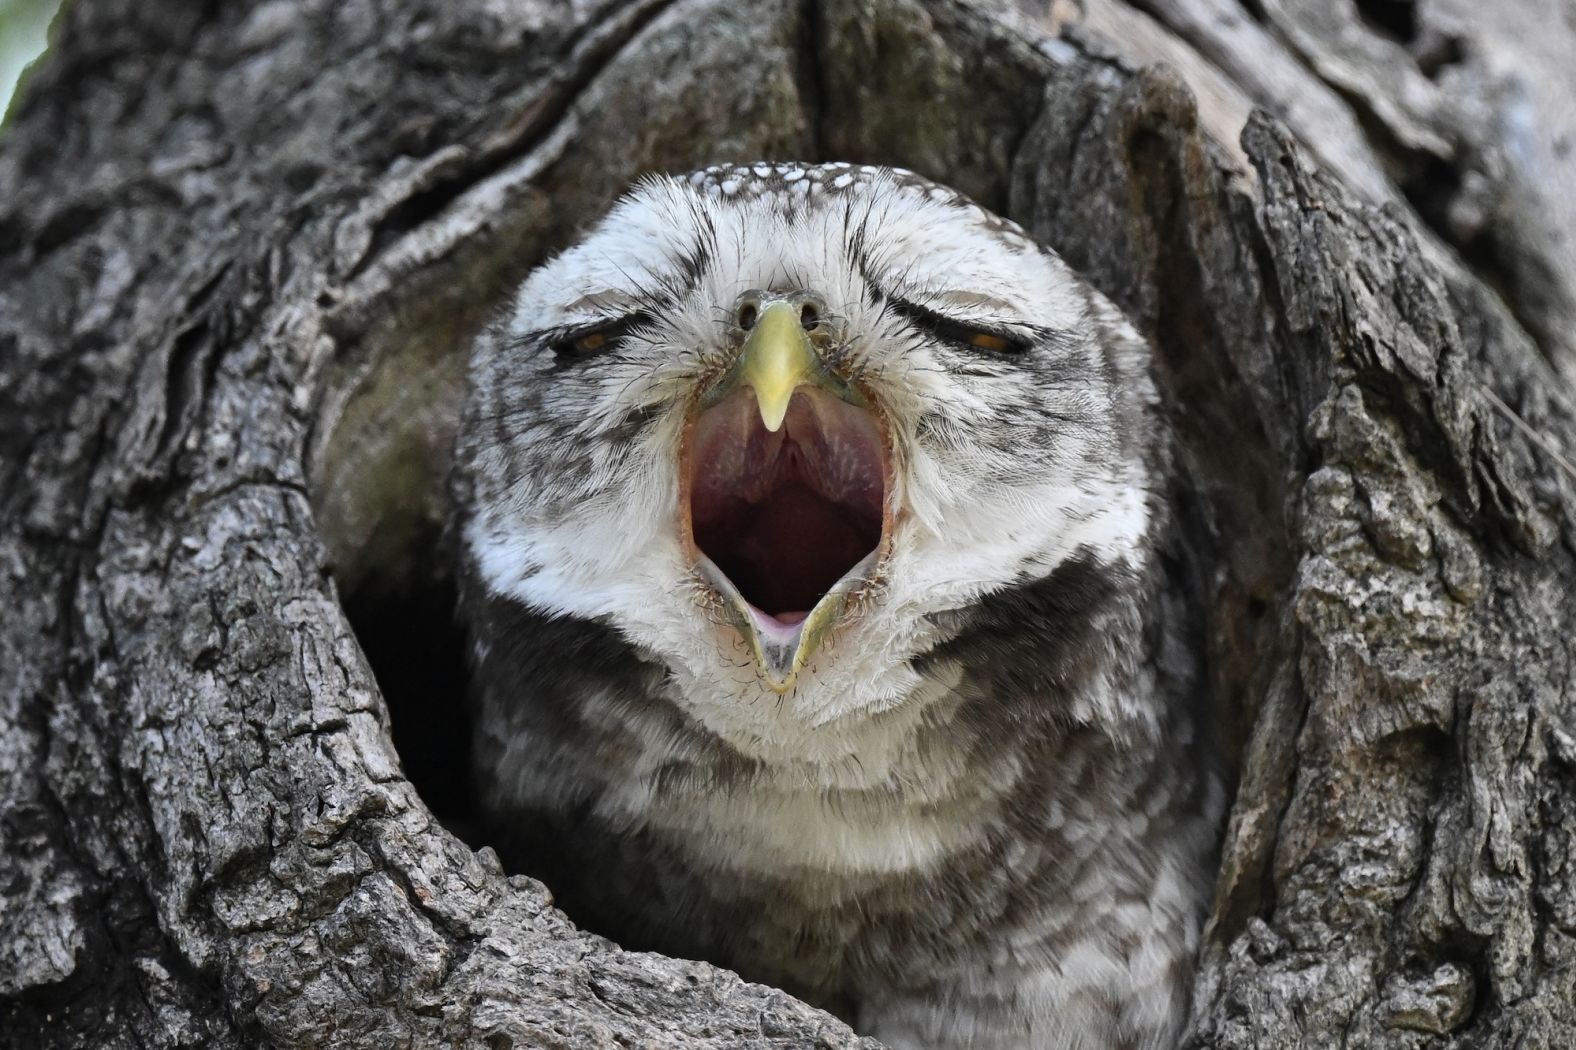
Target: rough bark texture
241,253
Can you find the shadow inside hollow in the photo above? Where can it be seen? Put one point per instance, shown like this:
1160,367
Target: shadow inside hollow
417,652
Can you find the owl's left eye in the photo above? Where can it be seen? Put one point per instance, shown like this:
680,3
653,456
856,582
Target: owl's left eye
996,344
960,333
593,339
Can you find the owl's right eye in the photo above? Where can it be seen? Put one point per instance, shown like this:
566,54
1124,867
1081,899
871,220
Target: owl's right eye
594,339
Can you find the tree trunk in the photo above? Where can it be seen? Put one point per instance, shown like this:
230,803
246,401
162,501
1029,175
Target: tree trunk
243,249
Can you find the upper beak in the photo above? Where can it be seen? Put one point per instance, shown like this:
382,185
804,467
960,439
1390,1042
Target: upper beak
778,358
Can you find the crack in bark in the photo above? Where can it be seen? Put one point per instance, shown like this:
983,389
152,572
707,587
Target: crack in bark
520,136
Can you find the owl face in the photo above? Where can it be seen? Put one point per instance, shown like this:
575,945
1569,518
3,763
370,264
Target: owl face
782,426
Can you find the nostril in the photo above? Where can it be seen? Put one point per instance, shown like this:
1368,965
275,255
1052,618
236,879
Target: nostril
809,315
747,315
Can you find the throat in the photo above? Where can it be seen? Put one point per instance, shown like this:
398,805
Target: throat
786,551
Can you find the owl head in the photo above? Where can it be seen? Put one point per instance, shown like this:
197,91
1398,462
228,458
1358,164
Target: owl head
781,427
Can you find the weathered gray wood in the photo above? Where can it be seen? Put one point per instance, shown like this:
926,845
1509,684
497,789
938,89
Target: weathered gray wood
1392,509
1462,108
241,252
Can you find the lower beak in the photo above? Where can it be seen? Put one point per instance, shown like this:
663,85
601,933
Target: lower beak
781,651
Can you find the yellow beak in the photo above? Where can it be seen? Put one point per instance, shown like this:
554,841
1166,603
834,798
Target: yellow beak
776,359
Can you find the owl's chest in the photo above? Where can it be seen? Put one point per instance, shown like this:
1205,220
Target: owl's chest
897,808
806,888
822,837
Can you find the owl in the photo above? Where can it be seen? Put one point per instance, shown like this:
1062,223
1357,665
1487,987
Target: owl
816,556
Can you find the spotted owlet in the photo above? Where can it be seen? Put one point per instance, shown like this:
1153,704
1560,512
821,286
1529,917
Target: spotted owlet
813,539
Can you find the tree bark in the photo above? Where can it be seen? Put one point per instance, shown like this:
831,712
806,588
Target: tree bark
243,249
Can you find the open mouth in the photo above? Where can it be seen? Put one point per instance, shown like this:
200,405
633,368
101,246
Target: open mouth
791,519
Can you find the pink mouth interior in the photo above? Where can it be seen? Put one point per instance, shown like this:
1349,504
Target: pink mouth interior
786,514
